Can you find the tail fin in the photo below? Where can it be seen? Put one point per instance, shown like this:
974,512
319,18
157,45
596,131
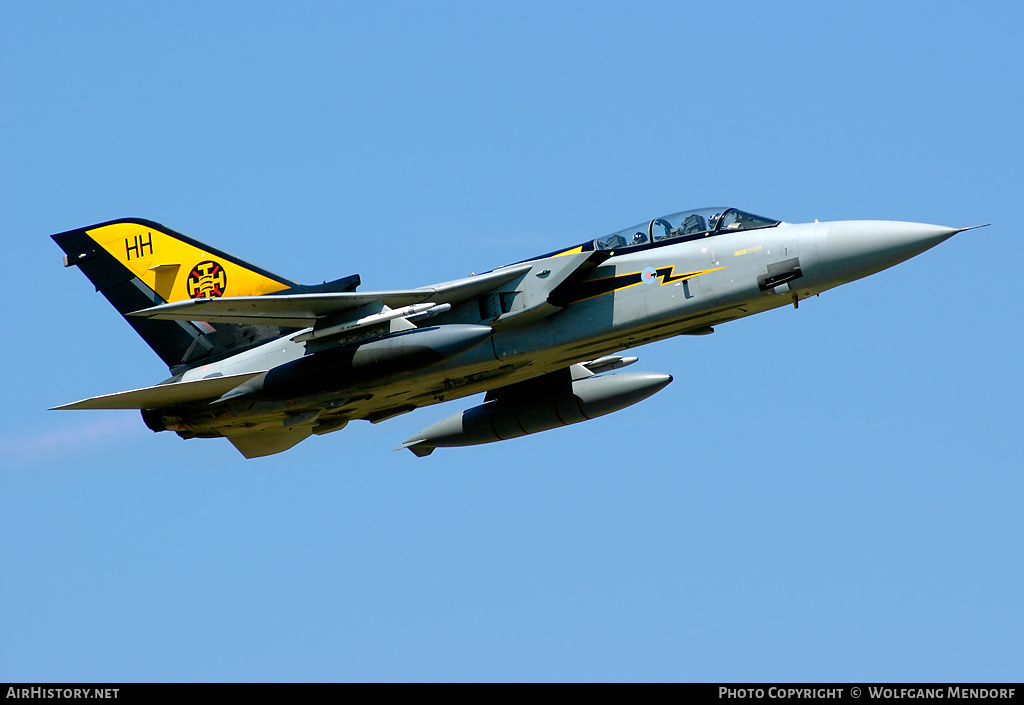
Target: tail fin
137,263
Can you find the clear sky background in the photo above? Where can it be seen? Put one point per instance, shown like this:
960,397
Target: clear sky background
832,493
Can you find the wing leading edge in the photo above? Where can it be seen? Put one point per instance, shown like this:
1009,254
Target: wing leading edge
301,310
163,394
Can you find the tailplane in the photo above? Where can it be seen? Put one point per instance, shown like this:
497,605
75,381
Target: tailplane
137,264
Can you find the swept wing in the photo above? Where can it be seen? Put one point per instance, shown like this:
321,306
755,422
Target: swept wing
301,310
164,394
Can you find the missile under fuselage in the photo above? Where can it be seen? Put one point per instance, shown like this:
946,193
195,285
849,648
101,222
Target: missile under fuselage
568,403
370,361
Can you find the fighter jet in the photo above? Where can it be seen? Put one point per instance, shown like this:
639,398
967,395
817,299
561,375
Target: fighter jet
266,362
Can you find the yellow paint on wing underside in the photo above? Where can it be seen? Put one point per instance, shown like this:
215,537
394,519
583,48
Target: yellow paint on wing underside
166,264
747,251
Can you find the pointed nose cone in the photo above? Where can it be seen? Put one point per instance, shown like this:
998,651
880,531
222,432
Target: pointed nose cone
857,248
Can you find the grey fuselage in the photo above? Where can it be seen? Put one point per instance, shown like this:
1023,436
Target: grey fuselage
636,296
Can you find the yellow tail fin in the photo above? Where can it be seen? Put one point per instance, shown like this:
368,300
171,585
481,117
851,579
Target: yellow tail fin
137,263
179,268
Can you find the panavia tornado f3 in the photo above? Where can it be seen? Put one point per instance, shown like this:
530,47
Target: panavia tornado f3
266,363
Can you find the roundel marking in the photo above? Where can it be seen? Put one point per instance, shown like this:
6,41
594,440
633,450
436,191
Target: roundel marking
649,275
207,280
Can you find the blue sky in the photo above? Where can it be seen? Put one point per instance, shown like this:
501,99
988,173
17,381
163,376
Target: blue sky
831,493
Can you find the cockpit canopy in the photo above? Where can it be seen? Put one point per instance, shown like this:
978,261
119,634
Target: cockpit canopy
688,225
